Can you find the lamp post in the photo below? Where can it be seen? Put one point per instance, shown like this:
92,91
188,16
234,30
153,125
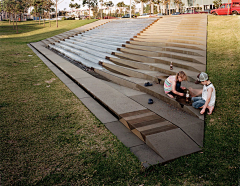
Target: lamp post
130,9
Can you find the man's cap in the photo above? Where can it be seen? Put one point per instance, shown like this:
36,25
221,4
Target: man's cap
201,77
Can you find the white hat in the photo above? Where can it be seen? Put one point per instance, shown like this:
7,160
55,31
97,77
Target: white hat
201,77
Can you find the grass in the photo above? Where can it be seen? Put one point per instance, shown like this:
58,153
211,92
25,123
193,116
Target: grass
48,137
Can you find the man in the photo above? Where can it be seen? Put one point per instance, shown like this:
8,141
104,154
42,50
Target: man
208,94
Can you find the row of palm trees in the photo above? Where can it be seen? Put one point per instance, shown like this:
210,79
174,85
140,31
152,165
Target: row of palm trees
16,8
93,5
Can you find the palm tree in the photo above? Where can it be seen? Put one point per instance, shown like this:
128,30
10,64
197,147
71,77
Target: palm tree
91,5
178,3
165,5
157,2
121,5
101,3
76,6
109,4
142,7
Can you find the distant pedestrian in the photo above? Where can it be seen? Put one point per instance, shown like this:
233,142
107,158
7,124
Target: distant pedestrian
208,94
172,85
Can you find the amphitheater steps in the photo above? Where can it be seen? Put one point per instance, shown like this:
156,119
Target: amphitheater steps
155,67
163,68
169,49
143,74
155,90
164,44
174,55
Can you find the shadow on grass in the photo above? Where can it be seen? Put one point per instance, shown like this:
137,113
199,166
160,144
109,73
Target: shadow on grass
32,27
32,38
23,27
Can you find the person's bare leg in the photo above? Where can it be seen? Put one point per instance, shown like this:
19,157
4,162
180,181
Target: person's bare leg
169,95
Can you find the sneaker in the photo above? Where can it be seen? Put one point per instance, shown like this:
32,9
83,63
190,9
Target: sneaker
147,84
150,101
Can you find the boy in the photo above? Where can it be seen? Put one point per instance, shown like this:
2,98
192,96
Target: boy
208,94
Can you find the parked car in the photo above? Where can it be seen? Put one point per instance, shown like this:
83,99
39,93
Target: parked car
190,11
128,16
109,17
176,13
228,8
208,11
144,15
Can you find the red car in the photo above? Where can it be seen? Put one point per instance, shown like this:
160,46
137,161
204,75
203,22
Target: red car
228,9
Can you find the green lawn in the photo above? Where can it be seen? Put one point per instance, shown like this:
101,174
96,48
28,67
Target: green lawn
48,137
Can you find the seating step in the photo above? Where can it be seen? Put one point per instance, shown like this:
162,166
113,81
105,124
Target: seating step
170,49
155,90
156,54
143,74
164,44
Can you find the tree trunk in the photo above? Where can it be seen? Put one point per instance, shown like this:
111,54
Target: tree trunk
177,7
141,8
152,7
49,20
9,18
150,3
13,24
164,9
16,26
56,15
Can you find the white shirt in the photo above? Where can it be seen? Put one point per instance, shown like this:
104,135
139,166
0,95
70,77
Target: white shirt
205,92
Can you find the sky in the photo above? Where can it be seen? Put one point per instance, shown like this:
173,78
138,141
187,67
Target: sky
65,3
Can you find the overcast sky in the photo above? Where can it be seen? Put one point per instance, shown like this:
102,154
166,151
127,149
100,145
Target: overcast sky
65,3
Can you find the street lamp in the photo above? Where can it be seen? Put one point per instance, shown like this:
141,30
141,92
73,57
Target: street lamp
130,9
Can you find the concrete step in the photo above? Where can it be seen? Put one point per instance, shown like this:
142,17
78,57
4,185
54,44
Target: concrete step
96,43
105,38
170,49
105,34
46,42
155,67
58,37
117,44
83,52
185,65
191,38
185,57
80,45
163,68
164,44
137,73
156,90
50,40
169,40
75,57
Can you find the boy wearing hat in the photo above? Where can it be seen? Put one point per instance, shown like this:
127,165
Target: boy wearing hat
208,94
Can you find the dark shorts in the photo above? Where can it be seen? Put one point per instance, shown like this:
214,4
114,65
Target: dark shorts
177,88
